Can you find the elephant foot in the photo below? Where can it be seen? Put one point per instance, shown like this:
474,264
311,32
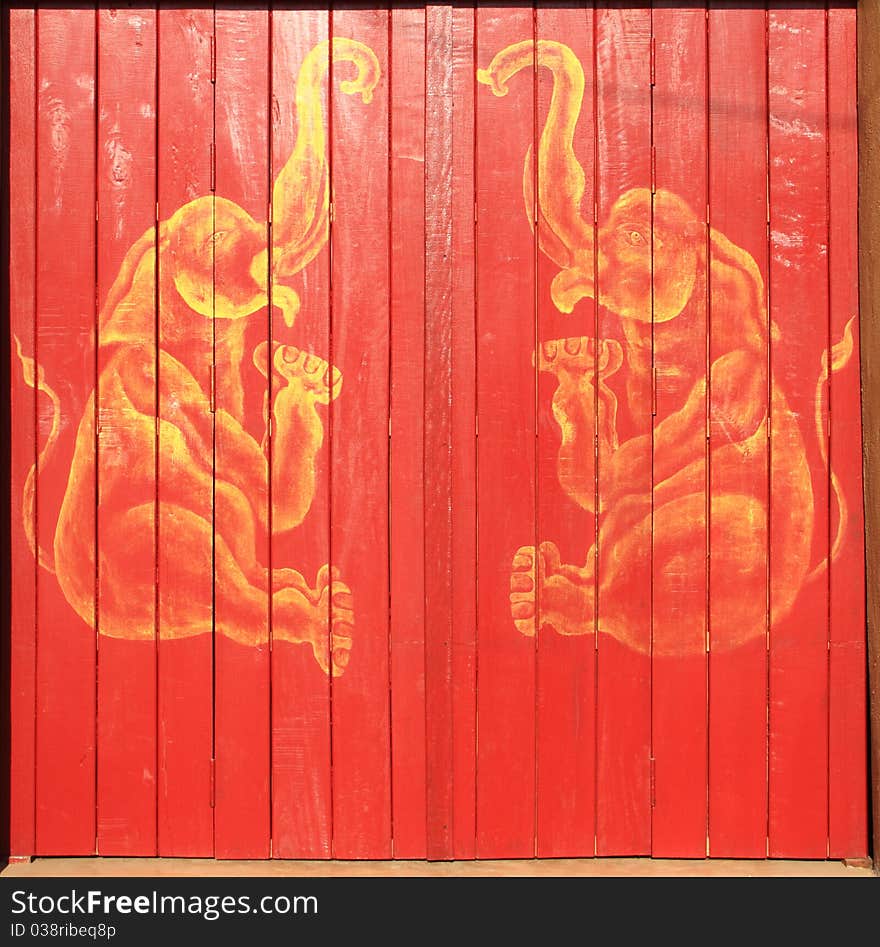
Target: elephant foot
322,617
319,381
579,355
543,591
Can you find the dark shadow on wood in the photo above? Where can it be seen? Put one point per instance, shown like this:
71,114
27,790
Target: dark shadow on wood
869,291
5,451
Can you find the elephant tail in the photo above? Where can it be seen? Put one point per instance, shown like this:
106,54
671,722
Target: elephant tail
33,376
833,360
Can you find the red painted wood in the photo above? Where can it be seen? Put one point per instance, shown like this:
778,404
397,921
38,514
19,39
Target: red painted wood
65,353
195,716
798,787
438,445
359,443
22,431
185,605
679,716
301,793
464,445
738,210
411,525
623,721
241,698
848,778
126,787
566,668
505,282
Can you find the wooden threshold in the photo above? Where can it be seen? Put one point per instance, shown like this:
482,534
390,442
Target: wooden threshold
557,867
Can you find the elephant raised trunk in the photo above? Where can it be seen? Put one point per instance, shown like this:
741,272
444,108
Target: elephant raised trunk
563,233
301,196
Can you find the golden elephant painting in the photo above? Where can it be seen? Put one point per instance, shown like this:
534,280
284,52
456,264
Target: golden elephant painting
553,498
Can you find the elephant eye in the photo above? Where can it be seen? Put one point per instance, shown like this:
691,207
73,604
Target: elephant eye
636,239
216,238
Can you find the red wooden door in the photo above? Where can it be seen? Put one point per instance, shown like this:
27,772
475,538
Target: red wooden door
422,433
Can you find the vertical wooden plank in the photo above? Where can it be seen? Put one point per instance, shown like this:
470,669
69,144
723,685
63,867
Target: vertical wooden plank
438,444
186,432
464,443
301,792
359,440
623,607
679,717
848,779
126,443
868,48
22,429
566,670
738,212
798,479
65,499
241,539
410,529
506,452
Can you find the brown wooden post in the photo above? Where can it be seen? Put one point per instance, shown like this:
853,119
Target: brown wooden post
869,279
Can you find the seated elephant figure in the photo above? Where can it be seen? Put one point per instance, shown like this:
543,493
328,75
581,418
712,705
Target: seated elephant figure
209,261
653,264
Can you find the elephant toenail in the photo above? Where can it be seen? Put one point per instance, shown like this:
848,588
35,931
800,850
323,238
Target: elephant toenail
550,349
290,353
341,657
523,610
572,346
521,582
311,363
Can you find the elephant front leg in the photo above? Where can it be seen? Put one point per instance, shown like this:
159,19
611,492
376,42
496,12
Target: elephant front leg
303,382
545,591
581,411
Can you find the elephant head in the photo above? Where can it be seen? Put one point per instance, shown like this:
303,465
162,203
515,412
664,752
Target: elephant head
650,254
215,254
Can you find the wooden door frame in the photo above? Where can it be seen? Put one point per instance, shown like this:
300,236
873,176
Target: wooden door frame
869,291
869,301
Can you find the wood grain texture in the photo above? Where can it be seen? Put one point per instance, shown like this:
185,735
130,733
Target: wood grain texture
848,777
126,195
798,741
464,440
411,525
623,721
186,664
242,808
65,354
505,249
22,431
679,621
566,664
869,294
215,530
437,460
738,208
301,718
359,443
